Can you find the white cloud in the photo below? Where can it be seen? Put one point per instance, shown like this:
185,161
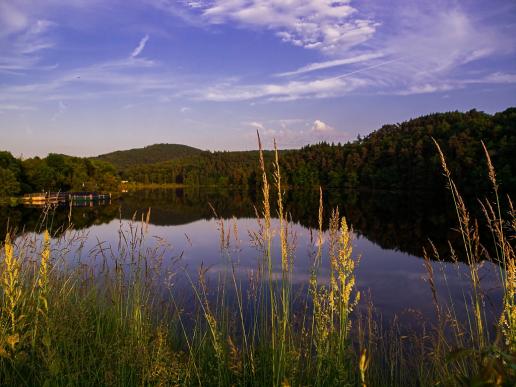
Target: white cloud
321,127
295,132
268,130
194,3
324,25
138,50
424,50
256,125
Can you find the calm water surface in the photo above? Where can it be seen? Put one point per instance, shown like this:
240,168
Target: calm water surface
390,231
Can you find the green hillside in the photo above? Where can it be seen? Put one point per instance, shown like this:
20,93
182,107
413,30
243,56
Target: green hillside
149,155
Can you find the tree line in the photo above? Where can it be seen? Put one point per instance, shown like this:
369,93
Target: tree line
55,172
394,157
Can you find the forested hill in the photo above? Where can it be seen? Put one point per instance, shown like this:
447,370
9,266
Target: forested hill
400,157
403,156
149,155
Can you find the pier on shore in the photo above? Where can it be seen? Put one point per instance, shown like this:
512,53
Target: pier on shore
74,198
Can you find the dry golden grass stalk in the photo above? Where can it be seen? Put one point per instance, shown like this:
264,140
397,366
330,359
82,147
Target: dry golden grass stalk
42,284
363,365
265,190
490,167
11,285
431,282
210,317
281,215
471,242
320,224
235,359
266,242
147,220
345,273
333,240
43,280
508,317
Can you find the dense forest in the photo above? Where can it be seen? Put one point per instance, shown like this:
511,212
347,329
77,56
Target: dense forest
394,157
54,172
403,156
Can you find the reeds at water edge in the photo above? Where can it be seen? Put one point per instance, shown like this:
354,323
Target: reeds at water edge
121,318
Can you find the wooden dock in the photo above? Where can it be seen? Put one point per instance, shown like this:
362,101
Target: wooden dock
75,198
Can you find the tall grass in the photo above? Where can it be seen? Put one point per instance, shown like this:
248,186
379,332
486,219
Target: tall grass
123,317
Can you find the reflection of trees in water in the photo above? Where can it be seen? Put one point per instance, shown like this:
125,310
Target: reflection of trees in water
55,218
392,220
181,206
395,221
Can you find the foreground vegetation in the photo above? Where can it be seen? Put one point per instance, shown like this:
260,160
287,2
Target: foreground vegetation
399,157
125,317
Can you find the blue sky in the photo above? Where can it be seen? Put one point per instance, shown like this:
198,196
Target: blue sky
85,77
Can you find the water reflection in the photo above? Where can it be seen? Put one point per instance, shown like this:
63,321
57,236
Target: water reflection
395,221
390,231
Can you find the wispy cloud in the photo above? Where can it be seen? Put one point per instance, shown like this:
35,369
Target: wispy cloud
427,88
61,109
495,78
332,63
12,19
405,48
138,50
127,76
22,39
256,125
287,91
320,87
14,107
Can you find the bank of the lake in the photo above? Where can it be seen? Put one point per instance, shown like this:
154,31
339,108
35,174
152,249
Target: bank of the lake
173,236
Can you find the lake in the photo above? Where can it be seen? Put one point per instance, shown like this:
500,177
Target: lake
390,231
